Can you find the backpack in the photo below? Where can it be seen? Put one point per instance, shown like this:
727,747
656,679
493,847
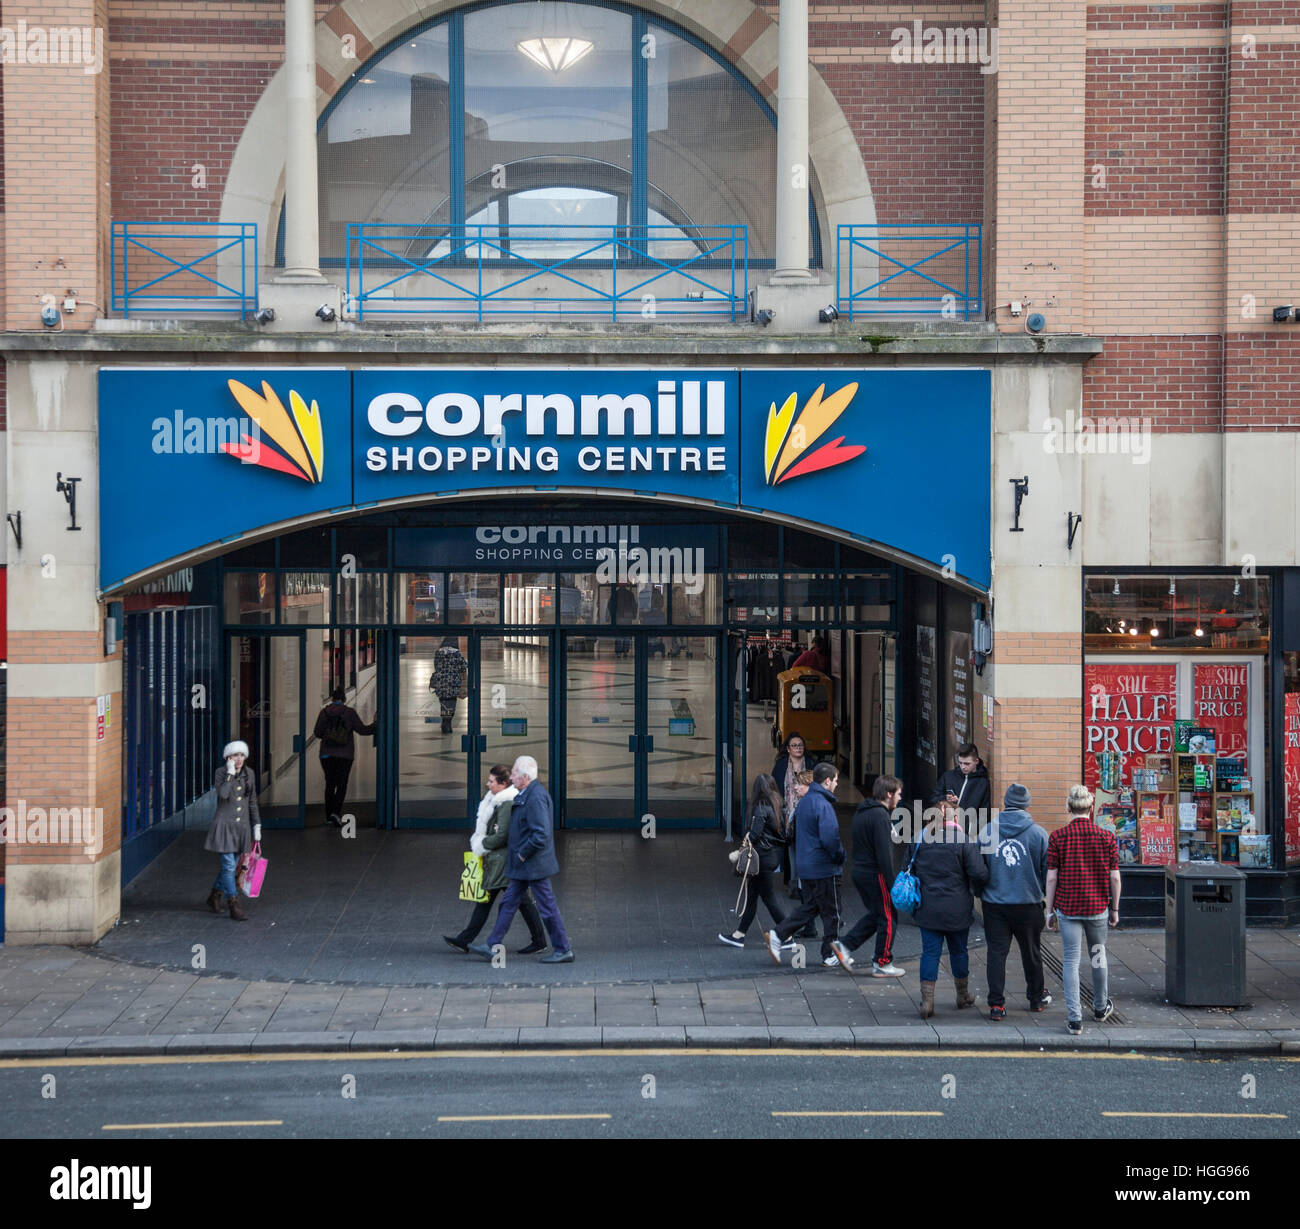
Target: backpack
336,731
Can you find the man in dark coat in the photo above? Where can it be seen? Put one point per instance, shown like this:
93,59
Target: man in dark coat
335,726
966,786
530,863
873,874
818,861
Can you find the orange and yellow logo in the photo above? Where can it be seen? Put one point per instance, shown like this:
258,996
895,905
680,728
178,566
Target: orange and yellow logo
299,446
789,438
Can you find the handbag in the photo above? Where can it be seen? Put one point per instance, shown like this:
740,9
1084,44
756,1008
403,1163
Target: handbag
906,892
744,863
252,872
471,880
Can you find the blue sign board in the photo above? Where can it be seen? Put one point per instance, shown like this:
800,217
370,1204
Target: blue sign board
193,458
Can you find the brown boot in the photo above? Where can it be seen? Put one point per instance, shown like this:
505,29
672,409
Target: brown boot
927,999
216,901
236,913
964,997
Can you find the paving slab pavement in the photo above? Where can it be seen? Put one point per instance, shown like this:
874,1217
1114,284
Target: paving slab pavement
372,966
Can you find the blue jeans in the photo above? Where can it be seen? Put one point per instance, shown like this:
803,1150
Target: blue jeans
932,948
1073,930
547,907
226,879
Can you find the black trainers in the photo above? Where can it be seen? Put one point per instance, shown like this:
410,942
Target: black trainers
1074,1027
1042,1004
1103,1013
997,1012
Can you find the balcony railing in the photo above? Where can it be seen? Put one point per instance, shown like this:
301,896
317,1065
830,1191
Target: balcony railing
609,272
906,269
184,267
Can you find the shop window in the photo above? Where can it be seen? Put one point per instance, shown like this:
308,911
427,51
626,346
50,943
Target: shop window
1152,613
529,598
578,599
697,602
309,548
751,543
305,597
363,597
250,597
1291,755
421,597
806,550
474,597
809,597
365,545
1175,723
754,598
258,555
867,597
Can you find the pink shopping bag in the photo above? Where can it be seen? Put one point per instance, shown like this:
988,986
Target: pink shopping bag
253,871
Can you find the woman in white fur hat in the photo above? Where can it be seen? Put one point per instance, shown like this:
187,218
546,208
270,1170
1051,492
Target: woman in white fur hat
235,826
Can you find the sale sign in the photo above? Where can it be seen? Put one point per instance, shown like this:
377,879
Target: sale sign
1158,841
1291,766
1220,701
1128,713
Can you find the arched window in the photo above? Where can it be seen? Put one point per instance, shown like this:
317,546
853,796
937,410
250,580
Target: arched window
522,114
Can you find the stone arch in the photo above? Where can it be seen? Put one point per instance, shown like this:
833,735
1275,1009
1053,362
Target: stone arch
745,35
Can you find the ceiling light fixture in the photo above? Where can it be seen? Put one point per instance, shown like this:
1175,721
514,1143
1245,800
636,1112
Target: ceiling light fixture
555,54
1115,590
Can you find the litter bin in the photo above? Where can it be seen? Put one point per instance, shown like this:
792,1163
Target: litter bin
1205,935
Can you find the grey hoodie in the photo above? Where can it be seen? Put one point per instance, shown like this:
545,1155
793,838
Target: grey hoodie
1018,870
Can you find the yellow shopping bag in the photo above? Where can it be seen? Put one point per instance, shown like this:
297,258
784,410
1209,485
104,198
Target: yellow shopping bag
471,880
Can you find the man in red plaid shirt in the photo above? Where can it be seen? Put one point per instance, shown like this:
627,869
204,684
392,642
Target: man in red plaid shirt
1082,897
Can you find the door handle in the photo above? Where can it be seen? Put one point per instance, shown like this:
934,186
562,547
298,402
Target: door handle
297,744
482,742
464,742
649,743
631,743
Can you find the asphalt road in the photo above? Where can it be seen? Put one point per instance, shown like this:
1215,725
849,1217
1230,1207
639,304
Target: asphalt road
655,1094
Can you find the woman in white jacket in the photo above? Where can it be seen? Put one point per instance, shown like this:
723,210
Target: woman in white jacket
491,831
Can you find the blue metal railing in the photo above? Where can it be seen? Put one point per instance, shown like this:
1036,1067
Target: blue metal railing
184,267
911,269
484,270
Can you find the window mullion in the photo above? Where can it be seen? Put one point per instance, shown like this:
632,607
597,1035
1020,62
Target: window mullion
456,92
640,125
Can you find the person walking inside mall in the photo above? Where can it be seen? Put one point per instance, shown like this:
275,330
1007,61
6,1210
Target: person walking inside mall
491,834
530,863
818,861
336,725
1083,885
449,678
767,834
1012,902
950,869
235,826
873,874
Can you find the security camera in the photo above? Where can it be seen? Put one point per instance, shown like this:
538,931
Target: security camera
325,314
50,316
765,317
828,314
264,315
1282,314
1035,322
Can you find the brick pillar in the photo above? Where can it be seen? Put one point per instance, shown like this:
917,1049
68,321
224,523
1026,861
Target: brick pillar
1035,150
56,163
62,864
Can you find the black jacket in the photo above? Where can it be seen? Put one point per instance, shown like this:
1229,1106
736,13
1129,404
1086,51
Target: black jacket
782,767
873,844
973,790
766,836
949,872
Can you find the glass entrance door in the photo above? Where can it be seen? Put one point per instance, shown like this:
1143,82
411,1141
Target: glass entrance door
640,730
464,703
266,710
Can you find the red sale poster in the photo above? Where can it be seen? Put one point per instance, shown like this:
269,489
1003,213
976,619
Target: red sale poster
1157,837
1291,764
1220,701
1128,713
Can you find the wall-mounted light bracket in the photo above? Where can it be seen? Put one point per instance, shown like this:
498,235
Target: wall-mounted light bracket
15,520
1072,522
1022,489
67,487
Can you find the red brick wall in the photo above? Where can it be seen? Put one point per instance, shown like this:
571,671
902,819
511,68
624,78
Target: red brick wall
1264,142
1210,16
1172,380
1263,382
1155,123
